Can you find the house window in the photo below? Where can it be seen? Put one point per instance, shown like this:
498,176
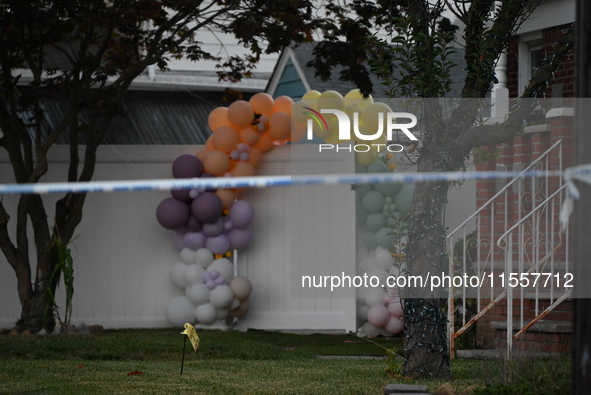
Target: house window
536,56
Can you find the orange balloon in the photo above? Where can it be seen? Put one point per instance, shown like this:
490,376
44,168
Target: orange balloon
262,103
201,154
298,132
248,136
209,144
216,163
280,125
254,156
243,169
265,142
283,103
218,118
225,139
227,196
240,114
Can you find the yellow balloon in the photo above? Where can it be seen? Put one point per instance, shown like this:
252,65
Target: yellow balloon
321,130
299,113
365,158
331,100
311,99
355,97
372,114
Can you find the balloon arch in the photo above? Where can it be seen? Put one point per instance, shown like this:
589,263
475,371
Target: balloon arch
209,225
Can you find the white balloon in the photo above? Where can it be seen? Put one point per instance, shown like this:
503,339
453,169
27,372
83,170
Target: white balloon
224,267
178,274
180,311
383,258
381,274
220,314
375,296
205,314
187,255
197,293
193,274
395,270
221,297
203,257
367,264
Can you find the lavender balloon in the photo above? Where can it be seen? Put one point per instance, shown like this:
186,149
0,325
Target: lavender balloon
172,213
207,207
241,214
195,240
240,238
187,166
212,230
218,244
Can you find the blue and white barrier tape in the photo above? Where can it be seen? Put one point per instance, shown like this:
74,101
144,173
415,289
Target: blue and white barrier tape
582,172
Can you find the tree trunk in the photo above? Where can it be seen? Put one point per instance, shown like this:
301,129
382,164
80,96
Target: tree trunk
425,348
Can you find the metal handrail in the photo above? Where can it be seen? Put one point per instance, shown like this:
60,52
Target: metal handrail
542,205
504,188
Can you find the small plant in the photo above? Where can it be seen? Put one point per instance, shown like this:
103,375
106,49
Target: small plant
394,360
64,267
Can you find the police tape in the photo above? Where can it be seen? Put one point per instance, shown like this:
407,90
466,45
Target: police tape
580,172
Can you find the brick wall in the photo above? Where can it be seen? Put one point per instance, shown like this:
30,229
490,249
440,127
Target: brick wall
563,84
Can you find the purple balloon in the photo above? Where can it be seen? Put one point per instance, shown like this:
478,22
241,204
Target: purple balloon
195,240
181,194
207,207
241,214
172,213
240,238
219,281
214,229
214,274
193,224
187,166
218,244
210,284
178,240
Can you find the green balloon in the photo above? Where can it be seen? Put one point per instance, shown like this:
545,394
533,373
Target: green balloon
377,166
391,222
373,201
403,199
370,240
375,222
360,168
385,240
388,188
361,190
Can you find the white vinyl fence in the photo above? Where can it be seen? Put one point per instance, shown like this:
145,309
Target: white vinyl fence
123,257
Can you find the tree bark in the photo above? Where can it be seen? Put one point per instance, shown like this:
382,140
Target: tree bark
426,350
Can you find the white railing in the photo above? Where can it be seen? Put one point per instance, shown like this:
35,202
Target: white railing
517,234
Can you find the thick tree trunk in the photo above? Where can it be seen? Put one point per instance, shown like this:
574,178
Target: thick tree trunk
426,350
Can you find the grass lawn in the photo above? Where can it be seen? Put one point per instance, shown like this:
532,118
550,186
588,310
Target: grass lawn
149,361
